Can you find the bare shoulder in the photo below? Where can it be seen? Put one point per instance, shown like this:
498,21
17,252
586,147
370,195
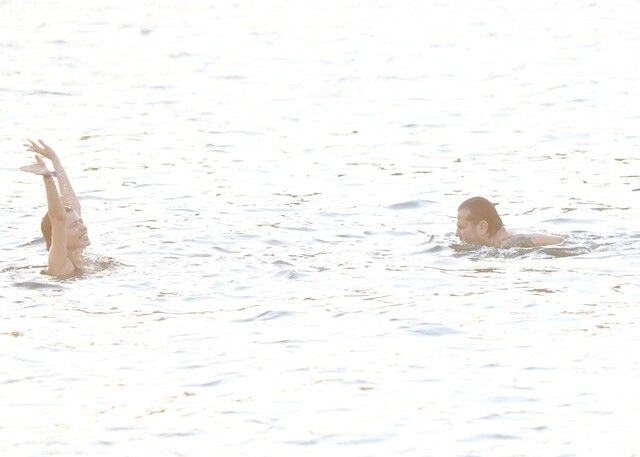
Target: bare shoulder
530,240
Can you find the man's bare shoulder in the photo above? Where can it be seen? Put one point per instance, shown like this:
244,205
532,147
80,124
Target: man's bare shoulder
530,240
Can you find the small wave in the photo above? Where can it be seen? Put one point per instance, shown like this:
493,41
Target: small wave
576,244
282,263
26,267
287,274
433,249
556,251
484,252
35,285
430,329
50,92
267,316
39,240
411,204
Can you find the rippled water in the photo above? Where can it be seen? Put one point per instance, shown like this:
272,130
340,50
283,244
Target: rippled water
271,191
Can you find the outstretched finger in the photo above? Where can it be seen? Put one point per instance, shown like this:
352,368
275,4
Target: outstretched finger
46,148
32,146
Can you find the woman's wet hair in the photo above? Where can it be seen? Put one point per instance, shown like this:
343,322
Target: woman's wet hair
45,226
481,209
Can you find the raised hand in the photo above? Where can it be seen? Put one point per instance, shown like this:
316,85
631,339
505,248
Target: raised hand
43,149
68,195
38,168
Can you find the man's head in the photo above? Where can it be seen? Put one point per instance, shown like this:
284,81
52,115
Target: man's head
478,221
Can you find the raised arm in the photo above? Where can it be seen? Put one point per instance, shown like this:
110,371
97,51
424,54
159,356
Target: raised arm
58,263
67,193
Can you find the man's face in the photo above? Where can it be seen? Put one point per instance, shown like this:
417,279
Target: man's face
470,231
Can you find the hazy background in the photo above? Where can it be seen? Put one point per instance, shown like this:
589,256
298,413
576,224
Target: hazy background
271,191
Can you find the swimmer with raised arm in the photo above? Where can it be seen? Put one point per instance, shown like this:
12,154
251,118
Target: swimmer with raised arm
62,227
479,223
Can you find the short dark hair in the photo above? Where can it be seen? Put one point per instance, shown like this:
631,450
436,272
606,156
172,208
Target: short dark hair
481,209
45,226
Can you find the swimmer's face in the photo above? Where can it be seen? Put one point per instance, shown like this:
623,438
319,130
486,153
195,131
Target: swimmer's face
470,230
76,232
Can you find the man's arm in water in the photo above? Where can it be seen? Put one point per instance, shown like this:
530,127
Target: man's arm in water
531,240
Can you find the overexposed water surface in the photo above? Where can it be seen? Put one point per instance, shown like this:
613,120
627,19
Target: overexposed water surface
271,191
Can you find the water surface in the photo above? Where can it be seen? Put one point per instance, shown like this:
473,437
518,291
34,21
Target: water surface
271,191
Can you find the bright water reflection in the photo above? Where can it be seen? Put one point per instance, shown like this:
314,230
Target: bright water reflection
271,193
